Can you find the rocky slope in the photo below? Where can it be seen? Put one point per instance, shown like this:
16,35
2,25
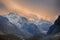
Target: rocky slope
55,28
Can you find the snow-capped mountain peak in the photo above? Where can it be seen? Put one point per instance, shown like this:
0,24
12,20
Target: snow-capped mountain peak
16,19
24,24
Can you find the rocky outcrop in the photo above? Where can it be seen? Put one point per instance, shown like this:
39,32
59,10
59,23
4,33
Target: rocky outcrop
55,28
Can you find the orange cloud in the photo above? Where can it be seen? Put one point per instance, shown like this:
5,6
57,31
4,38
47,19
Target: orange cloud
13,6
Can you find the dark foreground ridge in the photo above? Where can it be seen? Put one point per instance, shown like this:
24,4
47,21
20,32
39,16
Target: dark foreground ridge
55,28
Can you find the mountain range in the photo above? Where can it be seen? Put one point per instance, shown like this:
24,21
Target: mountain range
21,26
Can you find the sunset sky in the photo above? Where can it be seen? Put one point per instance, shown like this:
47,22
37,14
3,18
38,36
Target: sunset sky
33,9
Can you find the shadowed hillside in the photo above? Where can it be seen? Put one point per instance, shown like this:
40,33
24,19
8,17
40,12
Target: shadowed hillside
9,37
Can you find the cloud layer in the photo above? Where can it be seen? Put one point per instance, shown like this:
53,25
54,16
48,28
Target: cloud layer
46,9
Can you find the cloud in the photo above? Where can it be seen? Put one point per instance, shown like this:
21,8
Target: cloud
45,9
2,6
58,4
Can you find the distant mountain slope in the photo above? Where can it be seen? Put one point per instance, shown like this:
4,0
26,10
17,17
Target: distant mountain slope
19,21
22,27
22,23
9,28
31,28
16,19
43,25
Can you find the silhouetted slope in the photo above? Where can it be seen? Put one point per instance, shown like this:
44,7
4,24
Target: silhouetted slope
52,37
9,37
37,37
55,28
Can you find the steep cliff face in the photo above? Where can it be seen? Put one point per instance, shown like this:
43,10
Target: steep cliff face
55,28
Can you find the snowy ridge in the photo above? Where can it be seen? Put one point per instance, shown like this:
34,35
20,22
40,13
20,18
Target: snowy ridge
27,26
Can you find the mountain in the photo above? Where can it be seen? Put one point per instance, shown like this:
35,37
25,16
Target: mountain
16,19
22,23
8,28
43,25
55,28
31,28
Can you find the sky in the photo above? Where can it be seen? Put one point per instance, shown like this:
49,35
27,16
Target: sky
32,9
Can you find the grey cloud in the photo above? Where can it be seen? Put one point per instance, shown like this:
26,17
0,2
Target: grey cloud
2,6
58,4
